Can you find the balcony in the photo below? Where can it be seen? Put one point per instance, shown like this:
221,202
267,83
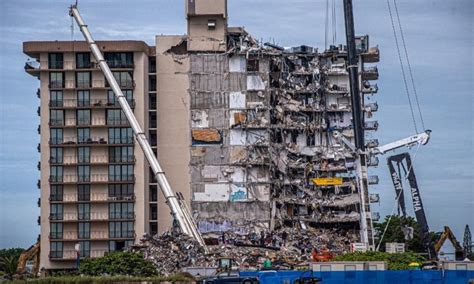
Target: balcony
72,254
74,103
118,64
71,179
75,217
372,55
122,234
118,122
94,197
56,122
74,160
370,73
371,125
124,84
121,215
373,180
73,122
72,85
74,141
122,159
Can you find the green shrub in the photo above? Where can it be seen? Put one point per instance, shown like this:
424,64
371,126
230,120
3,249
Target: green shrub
118,263
395,261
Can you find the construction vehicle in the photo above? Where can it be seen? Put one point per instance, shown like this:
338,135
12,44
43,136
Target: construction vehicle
322,255
31,254
180,212
448,234
403,162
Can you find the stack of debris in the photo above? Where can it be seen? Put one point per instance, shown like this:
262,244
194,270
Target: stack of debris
171,251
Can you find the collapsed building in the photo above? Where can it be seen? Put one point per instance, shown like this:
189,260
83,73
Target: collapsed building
243,130
262,119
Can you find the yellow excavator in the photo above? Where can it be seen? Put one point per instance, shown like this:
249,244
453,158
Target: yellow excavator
448,234
33,254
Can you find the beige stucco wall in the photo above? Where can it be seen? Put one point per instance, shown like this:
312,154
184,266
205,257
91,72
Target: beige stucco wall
173,130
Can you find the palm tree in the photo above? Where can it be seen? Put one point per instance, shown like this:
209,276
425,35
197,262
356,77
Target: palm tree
9,264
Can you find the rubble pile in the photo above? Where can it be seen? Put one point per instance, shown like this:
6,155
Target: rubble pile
170,252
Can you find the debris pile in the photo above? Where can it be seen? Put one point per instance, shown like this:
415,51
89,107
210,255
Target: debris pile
170,252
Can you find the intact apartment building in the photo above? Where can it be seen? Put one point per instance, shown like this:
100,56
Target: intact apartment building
242,129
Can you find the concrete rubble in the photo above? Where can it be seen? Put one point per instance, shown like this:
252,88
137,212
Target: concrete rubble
170,252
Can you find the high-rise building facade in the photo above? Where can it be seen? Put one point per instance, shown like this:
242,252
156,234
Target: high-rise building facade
243,130
94,180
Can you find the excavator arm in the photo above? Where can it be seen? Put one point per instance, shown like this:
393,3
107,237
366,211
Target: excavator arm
448,234
32,253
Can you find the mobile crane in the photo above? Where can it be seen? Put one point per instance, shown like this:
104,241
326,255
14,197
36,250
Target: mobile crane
178,208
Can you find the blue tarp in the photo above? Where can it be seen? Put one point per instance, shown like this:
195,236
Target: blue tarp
368,277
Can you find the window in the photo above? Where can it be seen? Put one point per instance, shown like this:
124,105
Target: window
151,64
84,192
121,210
152,101
56,174
121,173
56,99
121,191
84,155
56,250
120,136
112,100
83,98
152,119
83,117
56,136
153,228
56,212
56,156
121,230
152,83
119,59
56,117
83,135
124,79
153,193
84,211
116,117
252,65
83,173
83,60
84,248
55,61
211,24
56,193
153,212
84,230
56,79
56,231
121,154
83,79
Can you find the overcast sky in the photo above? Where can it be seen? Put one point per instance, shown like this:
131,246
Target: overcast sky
439,36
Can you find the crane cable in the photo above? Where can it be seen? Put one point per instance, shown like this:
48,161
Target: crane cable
396,199
402,35
402,66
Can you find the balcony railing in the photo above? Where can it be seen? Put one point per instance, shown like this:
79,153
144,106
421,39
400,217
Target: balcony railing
56,122
121,177
72,254
120,64
83,84
80,141
94,197
121,198
126,84
122,159
94,159
79,178
74,216
121,234
117,122
121,215
74,103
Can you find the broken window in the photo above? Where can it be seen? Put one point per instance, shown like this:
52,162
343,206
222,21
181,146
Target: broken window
252,65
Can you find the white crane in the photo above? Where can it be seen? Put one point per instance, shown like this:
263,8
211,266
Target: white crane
420,138
178,209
